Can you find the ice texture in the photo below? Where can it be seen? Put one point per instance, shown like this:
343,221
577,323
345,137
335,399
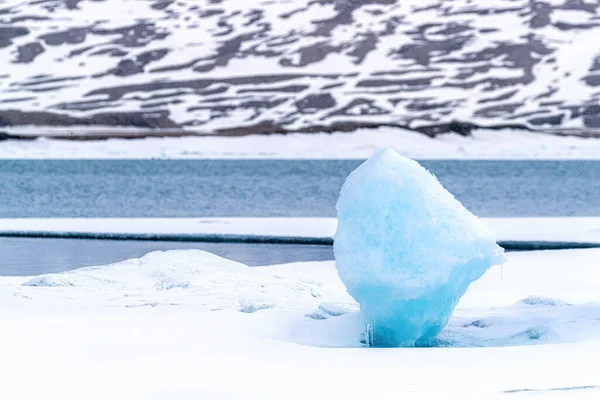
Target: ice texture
407,250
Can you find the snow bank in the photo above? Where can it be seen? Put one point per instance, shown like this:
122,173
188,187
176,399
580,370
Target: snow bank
484,144
562,229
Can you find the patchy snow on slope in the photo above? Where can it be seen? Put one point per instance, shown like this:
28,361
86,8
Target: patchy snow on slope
188,324
213,64
483,144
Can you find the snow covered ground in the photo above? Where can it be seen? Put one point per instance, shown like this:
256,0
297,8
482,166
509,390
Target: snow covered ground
484,144
574,230
188,324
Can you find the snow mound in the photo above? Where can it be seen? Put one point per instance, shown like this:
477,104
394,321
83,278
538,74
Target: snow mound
161,270
543,301
406,249
192,276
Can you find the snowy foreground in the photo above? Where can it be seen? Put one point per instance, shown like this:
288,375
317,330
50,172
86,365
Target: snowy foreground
505,144
191,325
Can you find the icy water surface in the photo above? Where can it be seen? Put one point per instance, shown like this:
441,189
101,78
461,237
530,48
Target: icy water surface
262,188
249,188
27,257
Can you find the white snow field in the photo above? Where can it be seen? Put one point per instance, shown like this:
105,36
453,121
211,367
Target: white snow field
543,229
191,325
483,144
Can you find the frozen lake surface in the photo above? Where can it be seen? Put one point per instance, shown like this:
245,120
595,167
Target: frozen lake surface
271,188
29,256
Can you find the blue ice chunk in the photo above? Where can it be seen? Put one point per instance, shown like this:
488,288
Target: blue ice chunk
407,250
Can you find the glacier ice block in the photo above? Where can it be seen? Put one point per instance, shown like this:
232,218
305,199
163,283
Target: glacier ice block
407,250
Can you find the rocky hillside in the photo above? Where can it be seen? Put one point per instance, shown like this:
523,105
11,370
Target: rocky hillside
265,65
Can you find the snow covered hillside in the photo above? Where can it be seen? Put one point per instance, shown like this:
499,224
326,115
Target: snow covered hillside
281,64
